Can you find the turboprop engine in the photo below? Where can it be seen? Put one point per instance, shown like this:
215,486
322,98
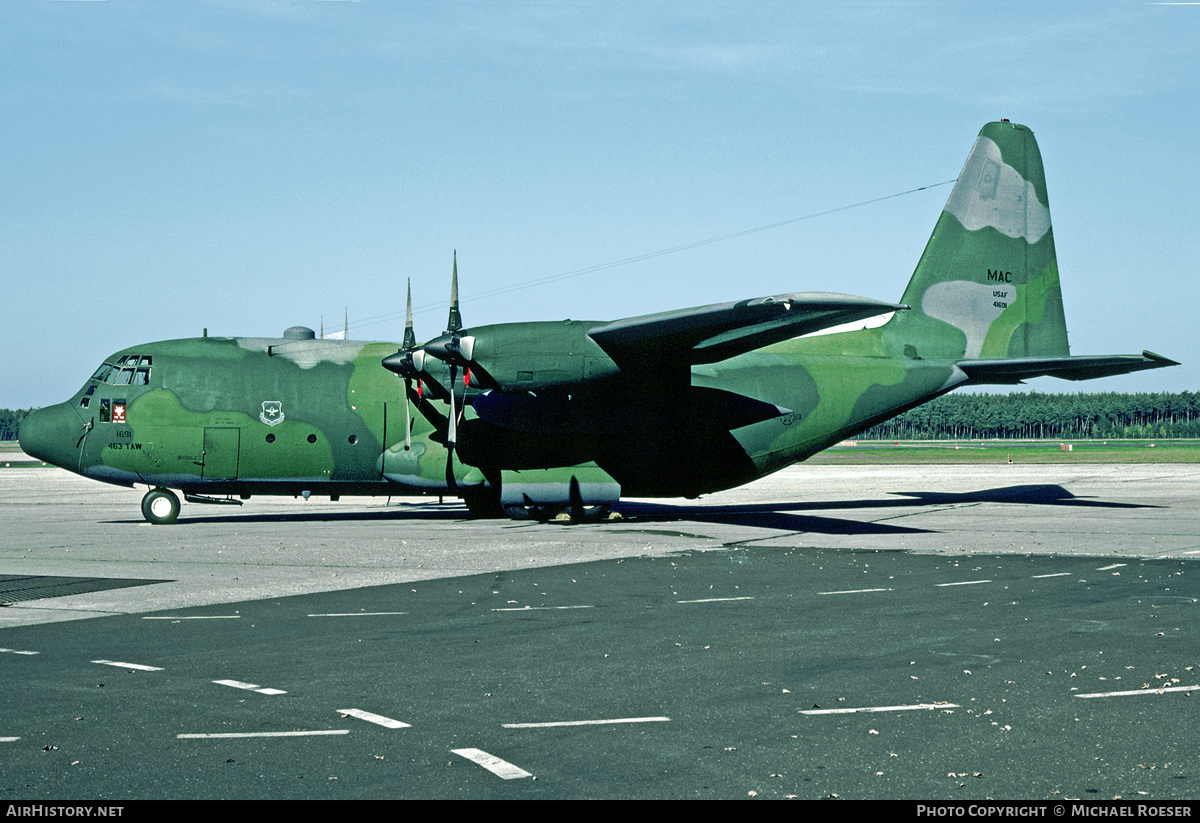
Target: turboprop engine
526,356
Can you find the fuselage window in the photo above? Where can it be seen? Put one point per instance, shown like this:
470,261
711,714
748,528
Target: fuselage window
124,378
102,373
141,377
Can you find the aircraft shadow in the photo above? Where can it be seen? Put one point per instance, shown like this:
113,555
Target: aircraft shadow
787,516
782,515
1039,495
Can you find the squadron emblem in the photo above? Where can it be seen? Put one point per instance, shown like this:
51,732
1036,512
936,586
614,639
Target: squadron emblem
272,412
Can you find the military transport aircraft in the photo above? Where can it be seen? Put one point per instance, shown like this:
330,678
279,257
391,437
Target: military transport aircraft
553,417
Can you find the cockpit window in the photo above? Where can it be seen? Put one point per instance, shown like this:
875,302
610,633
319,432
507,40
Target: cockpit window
129,370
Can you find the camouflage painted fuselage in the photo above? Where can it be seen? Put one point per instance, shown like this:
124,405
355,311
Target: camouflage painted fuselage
277,416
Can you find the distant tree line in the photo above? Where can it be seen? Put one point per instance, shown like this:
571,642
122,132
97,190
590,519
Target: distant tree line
1046,416
10,422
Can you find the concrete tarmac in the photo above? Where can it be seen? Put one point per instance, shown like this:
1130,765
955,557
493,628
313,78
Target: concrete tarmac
863,632
58,524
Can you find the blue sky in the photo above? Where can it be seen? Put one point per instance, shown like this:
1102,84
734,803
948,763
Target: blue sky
246,165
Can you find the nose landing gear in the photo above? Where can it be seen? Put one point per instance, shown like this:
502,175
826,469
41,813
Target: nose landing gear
160,506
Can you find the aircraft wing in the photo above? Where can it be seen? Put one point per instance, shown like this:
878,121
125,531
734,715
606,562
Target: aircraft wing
518,357
1069,368
707,334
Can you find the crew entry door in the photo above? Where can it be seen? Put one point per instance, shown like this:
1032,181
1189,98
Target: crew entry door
220,461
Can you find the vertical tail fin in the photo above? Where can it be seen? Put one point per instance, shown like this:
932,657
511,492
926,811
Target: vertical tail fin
987,284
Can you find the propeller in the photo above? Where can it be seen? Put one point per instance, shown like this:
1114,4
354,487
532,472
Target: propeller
408,362
452,348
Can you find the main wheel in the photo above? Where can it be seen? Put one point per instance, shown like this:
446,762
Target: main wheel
160,506
560,514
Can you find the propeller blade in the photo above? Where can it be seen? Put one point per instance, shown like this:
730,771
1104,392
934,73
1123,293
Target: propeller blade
454,323
407,414
410,338
410,343
453,326
451,432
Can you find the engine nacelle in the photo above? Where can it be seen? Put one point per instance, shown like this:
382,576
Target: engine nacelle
526,356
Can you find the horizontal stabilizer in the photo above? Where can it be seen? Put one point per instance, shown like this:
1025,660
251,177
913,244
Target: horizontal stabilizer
708,334
1069,368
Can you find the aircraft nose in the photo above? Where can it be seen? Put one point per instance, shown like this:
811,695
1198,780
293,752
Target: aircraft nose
50,434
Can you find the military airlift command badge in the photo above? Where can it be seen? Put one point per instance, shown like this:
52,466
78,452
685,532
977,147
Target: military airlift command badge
272,412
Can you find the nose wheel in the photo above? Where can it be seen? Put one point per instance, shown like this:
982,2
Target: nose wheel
160,506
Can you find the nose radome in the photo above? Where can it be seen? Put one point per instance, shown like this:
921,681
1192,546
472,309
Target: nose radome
49,434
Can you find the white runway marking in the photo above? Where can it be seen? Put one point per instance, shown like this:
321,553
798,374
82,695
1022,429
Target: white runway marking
541,608
198,617
715,600
858,591
378,719
963,583
1060,574
586,722
120,665
501,768
1110,568
1141,691
257,734
915,706
9,739
358,614
237,684
17,651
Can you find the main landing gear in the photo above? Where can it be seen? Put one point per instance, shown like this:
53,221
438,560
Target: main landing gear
562,514
484,503
160,506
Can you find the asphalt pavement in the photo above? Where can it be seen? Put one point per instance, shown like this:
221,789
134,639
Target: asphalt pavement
935,632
